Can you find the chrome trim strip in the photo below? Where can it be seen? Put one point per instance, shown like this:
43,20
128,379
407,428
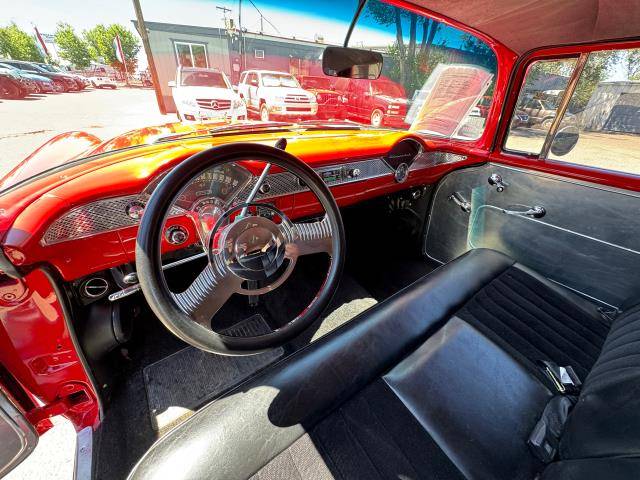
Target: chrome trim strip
83,464
109,214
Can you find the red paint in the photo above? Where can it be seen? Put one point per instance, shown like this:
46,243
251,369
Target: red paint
49,368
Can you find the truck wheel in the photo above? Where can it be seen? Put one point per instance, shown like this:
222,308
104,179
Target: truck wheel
376,118
546,123
264,113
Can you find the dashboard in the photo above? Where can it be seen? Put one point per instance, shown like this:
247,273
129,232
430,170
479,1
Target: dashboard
89,225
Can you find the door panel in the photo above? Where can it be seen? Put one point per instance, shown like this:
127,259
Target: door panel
588,238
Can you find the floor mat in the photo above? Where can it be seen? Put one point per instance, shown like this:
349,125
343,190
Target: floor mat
180,383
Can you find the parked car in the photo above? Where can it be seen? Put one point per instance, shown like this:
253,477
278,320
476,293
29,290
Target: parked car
11,85
41,84
81,81
64,81
205,94
541,112
381,102
103,82
331,103
273,95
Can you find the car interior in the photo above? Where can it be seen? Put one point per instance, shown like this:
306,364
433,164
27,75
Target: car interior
324,300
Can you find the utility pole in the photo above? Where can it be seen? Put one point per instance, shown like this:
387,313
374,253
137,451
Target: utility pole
224,10
142,30
243,60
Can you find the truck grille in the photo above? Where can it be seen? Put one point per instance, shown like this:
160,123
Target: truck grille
291,98
213,103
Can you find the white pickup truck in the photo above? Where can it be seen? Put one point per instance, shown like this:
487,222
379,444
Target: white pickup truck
205,94
275,94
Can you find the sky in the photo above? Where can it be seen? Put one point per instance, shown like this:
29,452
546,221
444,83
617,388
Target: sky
289,18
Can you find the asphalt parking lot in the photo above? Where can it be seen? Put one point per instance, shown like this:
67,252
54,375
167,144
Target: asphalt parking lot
28,123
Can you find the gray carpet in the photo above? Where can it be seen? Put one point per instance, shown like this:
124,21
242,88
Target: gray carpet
180,383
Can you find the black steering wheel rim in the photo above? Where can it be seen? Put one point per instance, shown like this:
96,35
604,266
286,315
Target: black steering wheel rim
149,262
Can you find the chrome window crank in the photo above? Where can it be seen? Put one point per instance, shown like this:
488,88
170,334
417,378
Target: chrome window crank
496,179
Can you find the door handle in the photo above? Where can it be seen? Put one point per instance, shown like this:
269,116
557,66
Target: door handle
459,200
537,211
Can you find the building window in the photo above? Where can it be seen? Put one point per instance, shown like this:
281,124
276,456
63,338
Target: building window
259,54
191,54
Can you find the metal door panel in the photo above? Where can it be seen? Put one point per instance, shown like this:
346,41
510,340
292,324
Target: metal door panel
589,239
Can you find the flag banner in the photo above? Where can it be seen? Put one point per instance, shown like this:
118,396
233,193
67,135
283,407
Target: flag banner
117,46
43,46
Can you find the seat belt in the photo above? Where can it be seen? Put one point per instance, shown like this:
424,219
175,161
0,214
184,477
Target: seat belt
564,379
545,437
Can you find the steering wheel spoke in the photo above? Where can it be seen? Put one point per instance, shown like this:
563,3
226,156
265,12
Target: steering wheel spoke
207,294
310,238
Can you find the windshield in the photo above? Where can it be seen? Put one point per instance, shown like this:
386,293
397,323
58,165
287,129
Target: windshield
203,79
275,80
316,82
436,80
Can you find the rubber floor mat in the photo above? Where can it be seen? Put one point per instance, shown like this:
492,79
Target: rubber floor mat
180,383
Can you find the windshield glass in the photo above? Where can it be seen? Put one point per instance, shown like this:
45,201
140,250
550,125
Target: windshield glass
316,82
275,80
203,79
436,80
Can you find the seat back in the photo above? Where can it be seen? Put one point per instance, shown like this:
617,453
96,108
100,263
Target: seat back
605,421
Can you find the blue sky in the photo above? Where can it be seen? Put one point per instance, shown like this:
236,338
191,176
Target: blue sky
291,18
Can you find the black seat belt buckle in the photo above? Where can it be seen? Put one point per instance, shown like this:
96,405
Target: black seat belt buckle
564,379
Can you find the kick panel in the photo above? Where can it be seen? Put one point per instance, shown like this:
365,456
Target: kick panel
582,235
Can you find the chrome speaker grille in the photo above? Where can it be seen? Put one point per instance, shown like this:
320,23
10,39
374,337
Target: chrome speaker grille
92,218
96,217
431,159
111,214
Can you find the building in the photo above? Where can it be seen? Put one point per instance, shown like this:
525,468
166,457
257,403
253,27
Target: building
173,45
614,107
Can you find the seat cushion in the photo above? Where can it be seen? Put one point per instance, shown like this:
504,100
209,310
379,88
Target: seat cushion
535,320
373,436
404,391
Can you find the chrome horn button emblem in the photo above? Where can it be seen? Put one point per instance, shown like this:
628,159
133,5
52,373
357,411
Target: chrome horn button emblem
254,248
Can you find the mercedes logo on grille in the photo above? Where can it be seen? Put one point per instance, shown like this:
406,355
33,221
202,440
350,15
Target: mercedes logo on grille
214,104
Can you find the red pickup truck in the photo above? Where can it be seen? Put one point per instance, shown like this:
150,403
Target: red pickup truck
381,102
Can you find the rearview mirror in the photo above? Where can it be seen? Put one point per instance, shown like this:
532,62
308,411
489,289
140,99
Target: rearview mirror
351,63
566,138
172,83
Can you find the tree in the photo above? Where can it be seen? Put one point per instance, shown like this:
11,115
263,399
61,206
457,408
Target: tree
631,63
100,45
18,45
71,47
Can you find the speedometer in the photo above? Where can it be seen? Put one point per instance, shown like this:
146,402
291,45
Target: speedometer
222,183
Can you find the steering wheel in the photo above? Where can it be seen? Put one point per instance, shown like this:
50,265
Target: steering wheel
251,250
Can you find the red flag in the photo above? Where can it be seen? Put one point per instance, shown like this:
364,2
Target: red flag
118,47
41,41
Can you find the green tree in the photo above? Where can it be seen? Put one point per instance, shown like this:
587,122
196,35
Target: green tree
100,45
631,63
18,44
71,47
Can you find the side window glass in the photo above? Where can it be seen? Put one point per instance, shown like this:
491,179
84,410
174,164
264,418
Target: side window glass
603,115
544,85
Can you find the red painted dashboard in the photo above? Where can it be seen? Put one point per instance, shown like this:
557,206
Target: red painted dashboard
129,173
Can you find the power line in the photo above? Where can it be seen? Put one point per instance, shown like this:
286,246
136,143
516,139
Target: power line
262,17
